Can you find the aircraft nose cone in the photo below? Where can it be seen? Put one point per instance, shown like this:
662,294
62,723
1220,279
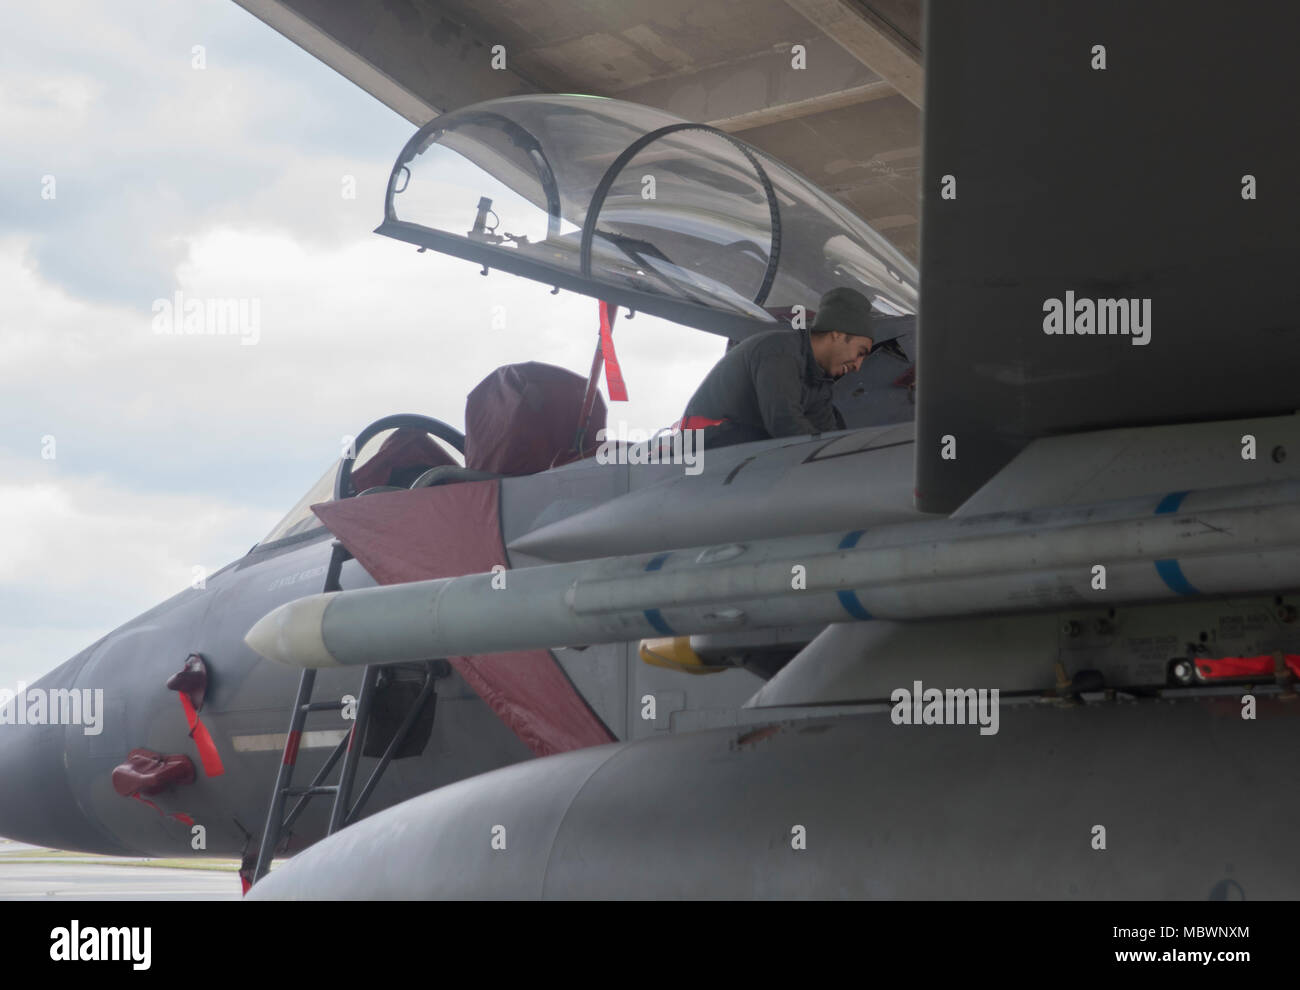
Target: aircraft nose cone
38,805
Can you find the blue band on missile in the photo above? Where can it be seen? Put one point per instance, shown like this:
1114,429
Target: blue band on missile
653,615
849,599
1171,502
1173,576
656,619
851,605
1168,569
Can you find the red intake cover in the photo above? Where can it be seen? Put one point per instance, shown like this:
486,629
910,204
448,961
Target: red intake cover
149,773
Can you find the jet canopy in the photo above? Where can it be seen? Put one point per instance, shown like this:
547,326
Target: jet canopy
637,207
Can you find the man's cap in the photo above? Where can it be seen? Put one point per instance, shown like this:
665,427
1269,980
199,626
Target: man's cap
846,310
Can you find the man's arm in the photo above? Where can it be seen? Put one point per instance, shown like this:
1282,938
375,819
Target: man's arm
778,384
824,415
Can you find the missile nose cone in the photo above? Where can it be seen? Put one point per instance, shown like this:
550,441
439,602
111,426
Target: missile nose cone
293,633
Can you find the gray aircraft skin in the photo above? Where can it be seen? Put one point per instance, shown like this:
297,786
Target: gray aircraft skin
1120,754
65,774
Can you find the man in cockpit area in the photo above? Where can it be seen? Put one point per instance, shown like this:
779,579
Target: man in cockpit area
778,384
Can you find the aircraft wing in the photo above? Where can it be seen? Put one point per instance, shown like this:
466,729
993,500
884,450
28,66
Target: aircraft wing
1155,179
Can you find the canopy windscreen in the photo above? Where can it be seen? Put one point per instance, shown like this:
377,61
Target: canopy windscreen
676,212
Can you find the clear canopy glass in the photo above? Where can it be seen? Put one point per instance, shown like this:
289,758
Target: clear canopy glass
632,205
300,519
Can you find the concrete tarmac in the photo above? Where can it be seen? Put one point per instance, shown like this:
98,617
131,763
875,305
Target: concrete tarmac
31,873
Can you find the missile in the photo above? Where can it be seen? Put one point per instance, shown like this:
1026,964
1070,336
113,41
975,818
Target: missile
1230,540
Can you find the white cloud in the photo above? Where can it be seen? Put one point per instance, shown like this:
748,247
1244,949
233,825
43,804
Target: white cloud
76,536
346,335
31,105
82,555
221,183
28,653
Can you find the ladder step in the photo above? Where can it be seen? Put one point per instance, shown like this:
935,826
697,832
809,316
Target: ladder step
276,820
322,706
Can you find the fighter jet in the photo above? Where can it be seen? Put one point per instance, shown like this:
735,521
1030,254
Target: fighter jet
996,639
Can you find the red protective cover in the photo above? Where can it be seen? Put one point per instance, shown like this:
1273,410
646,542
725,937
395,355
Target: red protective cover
447,531
404,448
1245,666
149,773
523,418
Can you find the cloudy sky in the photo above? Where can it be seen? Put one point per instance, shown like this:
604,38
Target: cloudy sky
129,173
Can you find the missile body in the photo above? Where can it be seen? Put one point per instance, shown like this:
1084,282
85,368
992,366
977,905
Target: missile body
1220,541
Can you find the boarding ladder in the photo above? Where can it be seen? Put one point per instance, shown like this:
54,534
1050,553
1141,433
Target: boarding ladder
345,811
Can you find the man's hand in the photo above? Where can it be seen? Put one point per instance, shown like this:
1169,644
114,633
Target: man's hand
779,385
